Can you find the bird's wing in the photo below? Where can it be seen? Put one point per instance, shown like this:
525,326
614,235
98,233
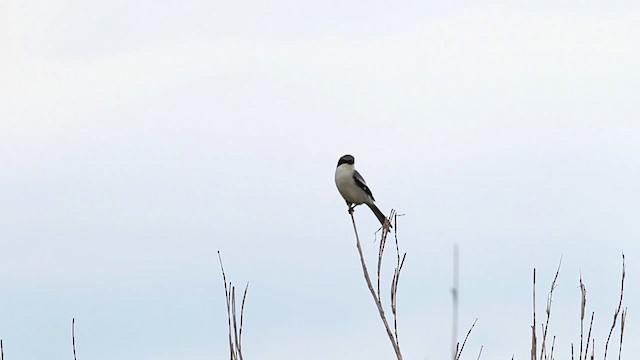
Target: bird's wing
361,183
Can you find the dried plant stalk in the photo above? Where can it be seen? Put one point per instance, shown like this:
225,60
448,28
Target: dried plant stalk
583,306
73,337
234,327
545,329
623,319
615,314
534,340
455,303
586,351
459,353
376,295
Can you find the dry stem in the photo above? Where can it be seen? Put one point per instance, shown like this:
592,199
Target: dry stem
615,314
534,340
455,305
234,329
545,329
586,351
583,306
459,353
394,287
73,336
623,319
480,353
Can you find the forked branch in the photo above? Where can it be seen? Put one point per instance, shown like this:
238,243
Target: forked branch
376,295
234,327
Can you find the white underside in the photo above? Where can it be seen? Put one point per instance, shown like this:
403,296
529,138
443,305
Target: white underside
348,188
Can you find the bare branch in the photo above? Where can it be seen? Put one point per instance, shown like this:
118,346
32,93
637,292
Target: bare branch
73,336
615,314
396,278
234,329
367,278
534,340
583,306
586,351
623,319
545,329
244,297
455,307
465,339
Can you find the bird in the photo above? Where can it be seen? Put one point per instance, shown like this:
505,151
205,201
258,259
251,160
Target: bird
354,189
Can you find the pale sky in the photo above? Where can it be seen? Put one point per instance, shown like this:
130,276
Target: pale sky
137,139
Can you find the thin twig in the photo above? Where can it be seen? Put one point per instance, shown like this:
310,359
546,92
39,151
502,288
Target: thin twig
615,314
543,347
454,298
586,351
465,339
235,323
244,297
396,277
377,301
480,353
534,340
73,336
583,306
232,353
623,319
383,243
1,350
235,331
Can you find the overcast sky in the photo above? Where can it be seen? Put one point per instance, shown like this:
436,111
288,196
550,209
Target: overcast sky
138,138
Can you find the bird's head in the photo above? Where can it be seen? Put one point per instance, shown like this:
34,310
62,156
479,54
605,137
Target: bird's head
346,159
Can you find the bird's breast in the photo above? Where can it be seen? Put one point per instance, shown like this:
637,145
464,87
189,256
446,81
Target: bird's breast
347,187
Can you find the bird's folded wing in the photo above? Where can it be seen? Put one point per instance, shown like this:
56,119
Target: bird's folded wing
361,183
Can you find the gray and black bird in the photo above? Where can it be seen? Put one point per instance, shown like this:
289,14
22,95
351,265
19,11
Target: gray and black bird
353,188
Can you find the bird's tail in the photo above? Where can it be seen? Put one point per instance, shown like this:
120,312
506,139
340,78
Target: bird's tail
381,217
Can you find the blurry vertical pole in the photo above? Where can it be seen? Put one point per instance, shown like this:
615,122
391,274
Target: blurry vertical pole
454,295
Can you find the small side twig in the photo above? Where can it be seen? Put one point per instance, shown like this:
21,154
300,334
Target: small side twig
615,314
396,278
459,353
234,328
586,351
455,305
244,297
534,340
623,319
73,336
545,329
583,306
